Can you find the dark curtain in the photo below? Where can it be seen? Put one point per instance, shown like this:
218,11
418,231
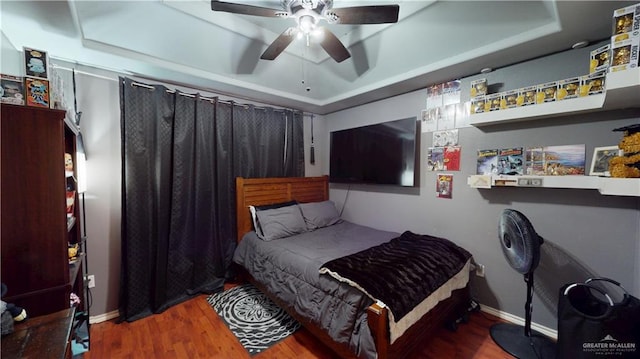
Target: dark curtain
180,157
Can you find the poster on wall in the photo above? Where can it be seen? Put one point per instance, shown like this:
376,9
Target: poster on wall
434,97
447,120
444,186
435,158
511,161
487,162
463,119
445,138
429,120
451,161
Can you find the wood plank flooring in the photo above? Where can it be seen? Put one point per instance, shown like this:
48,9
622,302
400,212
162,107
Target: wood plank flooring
194,330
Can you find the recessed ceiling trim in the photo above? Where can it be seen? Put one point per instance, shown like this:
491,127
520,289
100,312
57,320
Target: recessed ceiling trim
471,54
172,66
243,25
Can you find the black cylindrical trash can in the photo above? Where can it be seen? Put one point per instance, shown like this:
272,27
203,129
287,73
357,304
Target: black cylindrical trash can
592,325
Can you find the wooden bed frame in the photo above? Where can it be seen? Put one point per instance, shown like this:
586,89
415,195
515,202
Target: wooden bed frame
261,191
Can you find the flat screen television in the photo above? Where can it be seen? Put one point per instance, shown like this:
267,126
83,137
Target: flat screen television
384,153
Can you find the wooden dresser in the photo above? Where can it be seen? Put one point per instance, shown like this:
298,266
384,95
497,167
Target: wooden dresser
36,230
47,336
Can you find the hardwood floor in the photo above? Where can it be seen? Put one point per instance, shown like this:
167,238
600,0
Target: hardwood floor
193,330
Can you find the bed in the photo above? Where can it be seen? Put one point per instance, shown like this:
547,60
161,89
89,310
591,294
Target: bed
350,322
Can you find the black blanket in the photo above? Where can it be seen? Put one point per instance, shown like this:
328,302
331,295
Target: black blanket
404,271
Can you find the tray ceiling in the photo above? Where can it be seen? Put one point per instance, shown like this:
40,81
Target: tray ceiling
186,43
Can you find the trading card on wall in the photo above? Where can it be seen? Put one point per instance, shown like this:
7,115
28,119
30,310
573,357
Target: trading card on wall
36,63
37,92
12,89
444,186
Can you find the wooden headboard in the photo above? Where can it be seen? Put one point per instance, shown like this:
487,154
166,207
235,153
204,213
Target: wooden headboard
262,191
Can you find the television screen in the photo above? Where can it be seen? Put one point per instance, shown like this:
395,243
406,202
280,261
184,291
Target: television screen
384,153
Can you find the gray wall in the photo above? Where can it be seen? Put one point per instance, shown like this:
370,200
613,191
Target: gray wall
98,99
585,233
583,230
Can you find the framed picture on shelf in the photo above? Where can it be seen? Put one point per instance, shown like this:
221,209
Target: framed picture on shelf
600,161
11,89
35,63
37,92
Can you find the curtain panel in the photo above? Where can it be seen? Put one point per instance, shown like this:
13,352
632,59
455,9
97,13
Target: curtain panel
180,156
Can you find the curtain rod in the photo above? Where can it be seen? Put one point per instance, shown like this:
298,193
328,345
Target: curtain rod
129,73
212,99
197,88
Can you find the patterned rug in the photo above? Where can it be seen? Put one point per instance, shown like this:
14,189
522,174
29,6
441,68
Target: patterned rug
252,317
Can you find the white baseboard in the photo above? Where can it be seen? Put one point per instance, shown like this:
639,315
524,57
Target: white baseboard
103,317
520,321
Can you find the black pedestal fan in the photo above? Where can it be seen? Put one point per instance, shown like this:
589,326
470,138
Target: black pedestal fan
521,247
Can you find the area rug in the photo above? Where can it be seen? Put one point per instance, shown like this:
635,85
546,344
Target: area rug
254,319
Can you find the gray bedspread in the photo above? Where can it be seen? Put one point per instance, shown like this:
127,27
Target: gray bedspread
289,268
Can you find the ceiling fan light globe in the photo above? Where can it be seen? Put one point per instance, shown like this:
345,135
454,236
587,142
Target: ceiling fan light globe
307,23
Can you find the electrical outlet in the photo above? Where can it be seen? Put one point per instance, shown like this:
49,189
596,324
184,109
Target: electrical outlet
91,279
480,270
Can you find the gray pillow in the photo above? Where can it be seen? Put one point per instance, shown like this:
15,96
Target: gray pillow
281,222
320,214
255,209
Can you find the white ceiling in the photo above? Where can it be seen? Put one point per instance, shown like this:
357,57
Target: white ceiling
186,43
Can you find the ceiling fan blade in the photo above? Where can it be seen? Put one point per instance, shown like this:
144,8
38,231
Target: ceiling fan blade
377,14
332,45
243,9
279,44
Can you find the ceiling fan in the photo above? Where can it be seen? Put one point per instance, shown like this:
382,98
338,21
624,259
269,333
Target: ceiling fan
308,14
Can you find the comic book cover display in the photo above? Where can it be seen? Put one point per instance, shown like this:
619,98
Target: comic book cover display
35,63
37,91
12,89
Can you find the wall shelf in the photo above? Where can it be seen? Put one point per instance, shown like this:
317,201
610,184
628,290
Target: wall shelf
604,185
623,91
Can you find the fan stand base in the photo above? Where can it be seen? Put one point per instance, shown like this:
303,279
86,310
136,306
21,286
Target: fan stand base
511,338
